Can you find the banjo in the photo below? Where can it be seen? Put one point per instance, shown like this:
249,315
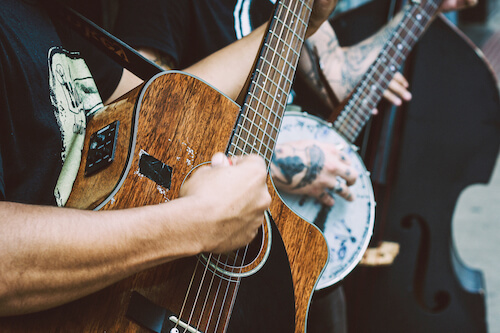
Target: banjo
348,226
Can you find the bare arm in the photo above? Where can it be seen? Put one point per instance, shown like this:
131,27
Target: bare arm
344,67
50,255
228,68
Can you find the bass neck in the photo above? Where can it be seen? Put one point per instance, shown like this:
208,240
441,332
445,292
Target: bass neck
356,112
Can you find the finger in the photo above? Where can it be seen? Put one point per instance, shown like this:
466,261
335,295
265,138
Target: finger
219,159
399,90
344,158
338,150
392,98
398,77
252,158
349,175
343,190
326,199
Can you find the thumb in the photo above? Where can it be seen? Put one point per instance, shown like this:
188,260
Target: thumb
219,159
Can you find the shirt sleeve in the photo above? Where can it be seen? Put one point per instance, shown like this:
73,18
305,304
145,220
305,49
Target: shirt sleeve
162,25
2,182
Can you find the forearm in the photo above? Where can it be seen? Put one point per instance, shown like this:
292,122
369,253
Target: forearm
229,68
50,256
343,67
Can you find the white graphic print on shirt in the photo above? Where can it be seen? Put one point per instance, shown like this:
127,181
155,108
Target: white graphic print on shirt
74,95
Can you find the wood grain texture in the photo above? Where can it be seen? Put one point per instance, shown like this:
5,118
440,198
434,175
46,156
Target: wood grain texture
182,122
88,192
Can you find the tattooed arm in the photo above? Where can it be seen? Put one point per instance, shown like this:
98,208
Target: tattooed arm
313,168
343,67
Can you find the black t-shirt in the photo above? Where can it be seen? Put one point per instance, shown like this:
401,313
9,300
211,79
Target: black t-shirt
189,30
46,93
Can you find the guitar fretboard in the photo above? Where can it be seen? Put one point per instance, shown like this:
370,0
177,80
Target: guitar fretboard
265,102
376,80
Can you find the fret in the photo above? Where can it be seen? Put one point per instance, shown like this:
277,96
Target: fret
409,33
237,149
268,118
376,80
295,19
253,138
267,65
254,130
290,21
234,150
272,90
263,108
263,133
264,93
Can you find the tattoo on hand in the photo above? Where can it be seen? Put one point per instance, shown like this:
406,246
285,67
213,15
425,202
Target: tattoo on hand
293,165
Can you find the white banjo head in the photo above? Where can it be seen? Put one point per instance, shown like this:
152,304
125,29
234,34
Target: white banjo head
347,226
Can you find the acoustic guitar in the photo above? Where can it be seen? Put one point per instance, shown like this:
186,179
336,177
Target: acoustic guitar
140,149
348,226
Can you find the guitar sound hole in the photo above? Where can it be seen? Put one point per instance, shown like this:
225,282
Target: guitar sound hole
243,256
244,261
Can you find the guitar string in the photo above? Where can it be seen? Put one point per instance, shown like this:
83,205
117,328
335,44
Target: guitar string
188,322
229,283
253,147
351,123
244,256
207,296
274,127
187,295
282,95
212,277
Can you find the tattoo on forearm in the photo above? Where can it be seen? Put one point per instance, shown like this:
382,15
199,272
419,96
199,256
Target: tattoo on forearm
163,60
290,166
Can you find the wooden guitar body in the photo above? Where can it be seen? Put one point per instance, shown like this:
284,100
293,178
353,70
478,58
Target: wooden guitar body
181,122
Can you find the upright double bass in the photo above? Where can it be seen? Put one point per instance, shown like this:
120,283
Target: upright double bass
421,157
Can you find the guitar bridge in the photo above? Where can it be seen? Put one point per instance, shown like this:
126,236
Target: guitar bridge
154,317
102,147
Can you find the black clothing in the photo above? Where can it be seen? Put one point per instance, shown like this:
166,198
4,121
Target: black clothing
46,92
190,30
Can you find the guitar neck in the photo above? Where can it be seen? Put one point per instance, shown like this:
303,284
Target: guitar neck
369,91
261,114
